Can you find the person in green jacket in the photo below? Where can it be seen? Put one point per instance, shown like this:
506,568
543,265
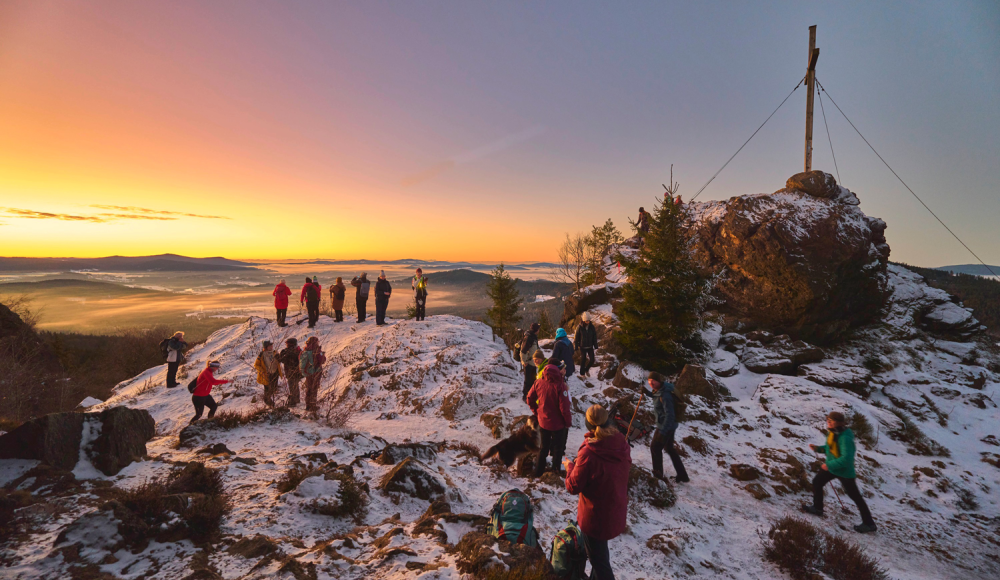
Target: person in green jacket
839,450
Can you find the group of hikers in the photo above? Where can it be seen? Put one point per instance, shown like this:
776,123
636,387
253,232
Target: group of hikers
311,294
600,472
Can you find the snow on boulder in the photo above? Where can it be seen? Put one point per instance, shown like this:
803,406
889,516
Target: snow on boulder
805,260
724,363
838,375
950,318
781,355
413,478
629,376
89,402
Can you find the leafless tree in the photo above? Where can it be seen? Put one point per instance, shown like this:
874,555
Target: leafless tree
575,254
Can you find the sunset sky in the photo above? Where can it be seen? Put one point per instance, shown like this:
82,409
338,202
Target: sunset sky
467,130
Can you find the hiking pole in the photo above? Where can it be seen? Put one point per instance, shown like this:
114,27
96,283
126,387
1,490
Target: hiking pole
843,507
642,393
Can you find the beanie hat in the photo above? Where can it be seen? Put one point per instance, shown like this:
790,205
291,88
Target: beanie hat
561,333
267,343
535,327
657,377
291,342
214,364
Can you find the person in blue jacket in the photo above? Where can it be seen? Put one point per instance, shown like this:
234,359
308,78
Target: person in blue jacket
666,426
562,350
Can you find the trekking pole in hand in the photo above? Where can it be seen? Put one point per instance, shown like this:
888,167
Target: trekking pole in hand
642,394
843,507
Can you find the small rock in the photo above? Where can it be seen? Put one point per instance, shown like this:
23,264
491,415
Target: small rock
744,472
217,449
413,478
724,363
245,460
757,491
396,452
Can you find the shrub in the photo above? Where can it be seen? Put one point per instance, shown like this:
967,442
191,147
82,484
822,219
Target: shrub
196,478
351,499
862,428
294,476
802,550
919,443
204,516
145,500
232,419
643,488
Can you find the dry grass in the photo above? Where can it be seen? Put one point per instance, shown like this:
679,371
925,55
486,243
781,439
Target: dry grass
294,476
805,552
644,489
232,419
10,501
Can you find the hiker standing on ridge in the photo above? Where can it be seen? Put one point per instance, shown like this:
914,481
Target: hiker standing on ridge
529,346
268,371
666,427
600,475
289,358
382,291
281,294
419,286
643,222
361,294
839,450
562,350
586,343
311,364
337,294
201,397
311,295
175,347
549,401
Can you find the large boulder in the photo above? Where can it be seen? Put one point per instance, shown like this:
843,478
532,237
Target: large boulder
804,261
53,439
629,376
694,381
781,356
412,478
124,433
579,302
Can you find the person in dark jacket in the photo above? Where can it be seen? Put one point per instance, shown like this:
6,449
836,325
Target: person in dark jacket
175,356
586,343
382,291
549,401
666,427
562,350
338,292
281,294
361,294
289,357
643,222
600,475
311,293
419,285
839,451
201,397
529,346
311,364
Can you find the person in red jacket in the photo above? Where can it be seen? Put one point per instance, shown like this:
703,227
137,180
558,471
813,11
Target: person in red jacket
600,475
281,294
549,400
202,395
311,294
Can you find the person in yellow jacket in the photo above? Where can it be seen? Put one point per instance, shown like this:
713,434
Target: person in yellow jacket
268,369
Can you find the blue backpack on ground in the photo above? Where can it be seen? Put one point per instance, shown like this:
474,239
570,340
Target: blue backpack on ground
569,554
513,519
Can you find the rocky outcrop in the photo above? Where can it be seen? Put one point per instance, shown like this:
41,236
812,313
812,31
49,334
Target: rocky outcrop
55,439
780,355
580,302
694,381
804,261
396,452
839,376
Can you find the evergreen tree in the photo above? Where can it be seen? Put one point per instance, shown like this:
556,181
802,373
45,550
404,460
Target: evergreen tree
601,240
661,302
503,315
545,330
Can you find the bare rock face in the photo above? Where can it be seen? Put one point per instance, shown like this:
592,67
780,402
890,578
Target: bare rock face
780,356
694,381
804,261
396,452
580,302
412,478
123,438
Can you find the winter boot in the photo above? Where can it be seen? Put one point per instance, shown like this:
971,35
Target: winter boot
811,509
865,528
680,479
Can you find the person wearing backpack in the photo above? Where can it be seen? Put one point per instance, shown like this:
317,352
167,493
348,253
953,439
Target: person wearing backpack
201,397
562,350
600,476
382,291
311,292
173,349
839,451
666,426
529,346
281,294
311,364
586,343
337,294
268,371
419,286
549,401
289,358
361,294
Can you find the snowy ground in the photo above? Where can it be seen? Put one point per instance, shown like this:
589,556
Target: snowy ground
431,381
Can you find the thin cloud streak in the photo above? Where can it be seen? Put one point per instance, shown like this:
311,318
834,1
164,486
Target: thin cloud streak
146,210
104,217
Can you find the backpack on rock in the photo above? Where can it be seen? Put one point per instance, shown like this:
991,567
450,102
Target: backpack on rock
569,554
513,519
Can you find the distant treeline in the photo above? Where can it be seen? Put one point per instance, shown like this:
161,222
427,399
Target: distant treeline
980,294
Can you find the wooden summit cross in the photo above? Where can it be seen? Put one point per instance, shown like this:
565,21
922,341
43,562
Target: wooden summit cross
810,91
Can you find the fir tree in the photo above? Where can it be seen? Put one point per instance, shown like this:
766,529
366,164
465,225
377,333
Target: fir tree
503,315
660,304
545,329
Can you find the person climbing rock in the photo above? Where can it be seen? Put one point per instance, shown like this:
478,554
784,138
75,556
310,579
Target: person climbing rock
281,294
586,343
268,371
562,350
600,476
549,401
529,346
289,358
337,294
201,397
175,356
311,364
362,286
666,426
382,291
839,451
419,286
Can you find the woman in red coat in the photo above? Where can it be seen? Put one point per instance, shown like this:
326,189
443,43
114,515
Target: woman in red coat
202,395
281,294
600,475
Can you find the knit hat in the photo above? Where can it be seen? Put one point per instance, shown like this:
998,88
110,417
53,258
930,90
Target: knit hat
535,327
291,342
267,343
585,317
561,333
539,355
214,364
657,377
381,273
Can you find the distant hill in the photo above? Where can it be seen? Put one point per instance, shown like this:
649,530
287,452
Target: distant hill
973,269
980,294
430,264
473,279
159,263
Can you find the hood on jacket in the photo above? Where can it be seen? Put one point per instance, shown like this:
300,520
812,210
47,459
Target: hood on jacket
560,333
552,374
612,449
